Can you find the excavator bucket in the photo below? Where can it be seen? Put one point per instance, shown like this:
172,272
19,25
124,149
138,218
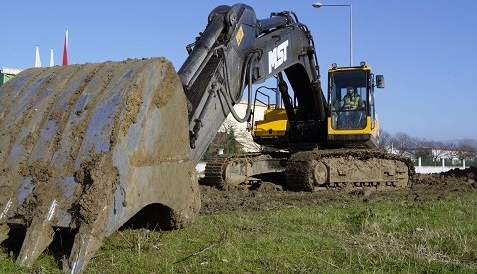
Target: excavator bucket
91,147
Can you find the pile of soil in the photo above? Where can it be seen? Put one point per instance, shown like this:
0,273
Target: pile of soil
267,196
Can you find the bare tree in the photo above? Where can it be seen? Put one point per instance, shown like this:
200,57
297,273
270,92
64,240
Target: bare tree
423,149
439,150
452,150
467,149
384,140
403,144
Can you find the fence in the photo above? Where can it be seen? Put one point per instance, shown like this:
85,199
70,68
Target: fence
436,169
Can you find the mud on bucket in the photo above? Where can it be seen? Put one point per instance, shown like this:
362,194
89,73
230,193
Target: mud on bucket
91,147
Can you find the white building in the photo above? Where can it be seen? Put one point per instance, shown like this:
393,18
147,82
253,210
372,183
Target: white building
243,131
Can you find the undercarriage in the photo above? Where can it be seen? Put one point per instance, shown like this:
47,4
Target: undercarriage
344,169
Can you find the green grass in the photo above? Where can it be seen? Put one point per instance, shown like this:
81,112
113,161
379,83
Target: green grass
437,236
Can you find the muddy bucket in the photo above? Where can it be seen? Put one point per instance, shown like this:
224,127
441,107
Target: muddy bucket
91,147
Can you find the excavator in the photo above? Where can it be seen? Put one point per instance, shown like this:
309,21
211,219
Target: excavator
90,148
338,150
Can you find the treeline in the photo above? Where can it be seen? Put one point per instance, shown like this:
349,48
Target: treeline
431,152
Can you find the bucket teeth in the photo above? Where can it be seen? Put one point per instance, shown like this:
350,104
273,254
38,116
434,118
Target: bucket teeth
85,245
38,237
4,229
87,241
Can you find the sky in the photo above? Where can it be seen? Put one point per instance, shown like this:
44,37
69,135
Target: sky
425,49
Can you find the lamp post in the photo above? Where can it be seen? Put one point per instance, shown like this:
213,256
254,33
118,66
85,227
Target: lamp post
319,5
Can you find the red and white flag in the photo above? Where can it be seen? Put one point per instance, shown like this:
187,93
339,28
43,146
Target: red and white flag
65,50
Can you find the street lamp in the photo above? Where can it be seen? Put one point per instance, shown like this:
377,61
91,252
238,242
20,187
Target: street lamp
319,5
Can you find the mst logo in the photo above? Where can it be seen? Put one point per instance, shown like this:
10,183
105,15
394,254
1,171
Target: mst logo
277,56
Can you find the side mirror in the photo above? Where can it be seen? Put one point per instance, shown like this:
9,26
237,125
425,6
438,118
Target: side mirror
380,81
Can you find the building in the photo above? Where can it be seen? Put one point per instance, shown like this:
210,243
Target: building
243,131
7,74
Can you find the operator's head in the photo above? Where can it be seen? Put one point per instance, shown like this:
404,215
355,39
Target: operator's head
350,90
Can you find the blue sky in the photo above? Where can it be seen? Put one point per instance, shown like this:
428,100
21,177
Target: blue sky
425,49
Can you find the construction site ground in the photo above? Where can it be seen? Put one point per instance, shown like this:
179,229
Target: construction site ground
267,195
260,197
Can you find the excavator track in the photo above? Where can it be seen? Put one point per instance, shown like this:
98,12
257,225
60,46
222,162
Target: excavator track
348,169
237,169
343,169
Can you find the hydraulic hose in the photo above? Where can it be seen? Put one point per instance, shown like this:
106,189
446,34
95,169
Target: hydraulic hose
248,73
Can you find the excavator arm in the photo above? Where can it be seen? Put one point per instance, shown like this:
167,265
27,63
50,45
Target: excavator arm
235,51
212,75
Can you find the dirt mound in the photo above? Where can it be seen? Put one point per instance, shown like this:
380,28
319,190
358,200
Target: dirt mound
452,177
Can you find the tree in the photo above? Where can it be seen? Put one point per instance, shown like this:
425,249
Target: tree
439,150
403,144
423,149
225,140
384,140
467,150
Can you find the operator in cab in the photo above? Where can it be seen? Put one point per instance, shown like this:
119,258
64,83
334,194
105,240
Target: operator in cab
351,100
349,118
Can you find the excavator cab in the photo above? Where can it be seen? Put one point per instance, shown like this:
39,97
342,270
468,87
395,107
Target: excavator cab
352,120
348,125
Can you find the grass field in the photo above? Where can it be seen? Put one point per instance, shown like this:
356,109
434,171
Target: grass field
398,236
